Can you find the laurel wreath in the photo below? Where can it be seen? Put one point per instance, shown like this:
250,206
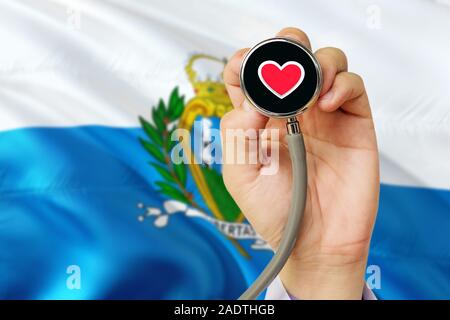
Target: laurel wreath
174,176
159,146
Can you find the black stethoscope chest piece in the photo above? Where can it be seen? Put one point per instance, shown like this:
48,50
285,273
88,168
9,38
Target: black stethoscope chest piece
280,77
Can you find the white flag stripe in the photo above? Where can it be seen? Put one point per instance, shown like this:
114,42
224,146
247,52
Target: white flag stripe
107,62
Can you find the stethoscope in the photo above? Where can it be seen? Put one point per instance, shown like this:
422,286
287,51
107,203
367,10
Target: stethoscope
281,78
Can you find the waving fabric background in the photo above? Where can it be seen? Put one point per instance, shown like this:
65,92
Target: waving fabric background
79,198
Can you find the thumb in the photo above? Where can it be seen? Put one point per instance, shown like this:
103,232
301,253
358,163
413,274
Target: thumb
240,130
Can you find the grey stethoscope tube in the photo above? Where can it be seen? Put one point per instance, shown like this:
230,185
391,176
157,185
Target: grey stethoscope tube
298,159
282,49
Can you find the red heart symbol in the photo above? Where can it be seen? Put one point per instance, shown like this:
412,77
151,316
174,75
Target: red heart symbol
281,80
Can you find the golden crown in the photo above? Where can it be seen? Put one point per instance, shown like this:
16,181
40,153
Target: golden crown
208,88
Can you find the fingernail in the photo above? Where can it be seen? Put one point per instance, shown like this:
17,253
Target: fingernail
327,96
292,36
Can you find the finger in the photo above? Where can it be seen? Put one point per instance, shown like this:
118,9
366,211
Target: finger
332,61
240,141
347,92
295,34
231,78
243,118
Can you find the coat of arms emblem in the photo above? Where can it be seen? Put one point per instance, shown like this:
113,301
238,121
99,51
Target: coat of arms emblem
194,188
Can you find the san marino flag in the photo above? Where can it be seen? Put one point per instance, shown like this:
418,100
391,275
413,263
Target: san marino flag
91,207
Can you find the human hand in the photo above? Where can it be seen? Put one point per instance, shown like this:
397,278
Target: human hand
330,256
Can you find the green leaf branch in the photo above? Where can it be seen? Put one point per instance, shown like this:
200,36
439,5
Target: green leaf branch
158,145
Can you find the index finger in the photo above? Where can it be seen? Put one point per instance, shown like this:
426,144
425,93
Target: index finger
231,78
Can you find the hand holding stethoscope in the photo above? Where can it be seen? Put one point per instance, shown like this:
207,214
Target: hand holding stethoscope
329,258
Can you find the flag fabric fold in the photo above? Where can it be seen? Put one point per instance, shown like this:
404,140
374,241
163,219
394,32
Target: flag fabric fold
91,209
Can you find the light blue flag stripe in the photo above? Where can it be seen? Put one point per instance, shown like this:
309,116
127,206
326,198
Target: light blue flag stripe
69,196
